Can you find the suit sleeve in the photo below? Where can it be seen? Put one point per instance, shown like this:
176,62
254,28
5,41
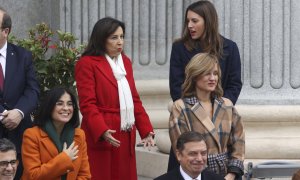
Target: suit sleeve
85,82
29,99
142,120
34,168
176,75
233,88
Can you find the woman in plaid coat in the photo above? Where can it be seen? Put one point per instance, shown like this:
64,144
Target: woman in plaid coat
203,109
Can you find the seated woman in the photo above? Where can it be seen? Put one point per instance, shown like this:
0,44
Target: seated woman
203,109
55,148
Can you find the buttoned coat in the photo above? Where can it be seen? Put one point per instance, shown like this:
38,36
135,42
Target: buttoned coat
42,160
224,133
99,105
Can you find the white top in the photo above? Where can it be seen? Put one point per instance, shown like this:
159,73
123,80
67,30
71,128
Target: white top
3,52
187,177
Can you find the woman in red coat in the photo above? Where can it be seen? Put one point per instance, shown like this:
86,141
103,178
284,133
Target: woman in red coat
110,104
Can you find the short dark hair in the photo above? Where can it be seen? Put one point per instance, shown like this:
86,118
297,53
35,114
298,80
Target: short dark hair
47,106
7,145
189,136
101,31
6,21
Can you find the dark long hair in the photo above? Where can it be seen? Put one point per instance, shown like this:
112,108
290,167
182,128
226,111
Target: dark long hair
101,31
47,106
210,41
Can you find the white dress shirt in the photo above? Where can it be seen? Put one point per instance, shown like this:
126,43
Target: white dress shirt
187,177
3,52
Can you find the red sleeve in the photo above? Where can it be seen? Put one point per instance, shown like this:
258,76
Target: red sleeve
86,87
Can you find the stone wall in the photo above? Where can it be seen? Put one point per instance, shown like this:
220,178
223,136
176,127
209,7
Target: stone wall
26,13
266,31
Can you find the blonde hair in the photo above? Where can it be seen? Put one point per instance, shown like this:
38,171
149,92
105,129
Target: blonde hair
199,65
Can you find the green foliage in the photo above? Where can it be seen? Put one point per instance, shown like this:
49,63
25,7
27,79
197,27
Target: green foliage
54,56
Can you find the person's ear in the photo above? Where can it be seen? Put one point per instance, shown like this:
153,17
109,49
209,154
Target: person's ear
6,31
178,155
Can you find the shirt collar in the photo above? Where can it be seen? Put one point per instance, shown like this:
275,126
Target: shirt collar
3,50
186,176
191,100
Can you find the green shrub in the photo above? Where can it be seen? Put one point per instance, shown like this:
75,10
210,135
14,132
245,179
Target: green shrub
54,56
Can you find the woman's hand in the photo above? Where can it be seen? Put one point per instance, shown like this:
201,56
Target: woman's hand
107,136
71,151
230,176
148,141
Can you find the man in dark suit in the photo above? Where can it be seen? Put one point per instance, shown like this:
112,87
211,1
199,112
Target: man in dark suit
191,152
19,89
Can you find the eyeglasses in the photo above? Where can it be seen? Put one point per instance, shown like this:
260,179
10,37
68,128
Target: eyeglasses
4,164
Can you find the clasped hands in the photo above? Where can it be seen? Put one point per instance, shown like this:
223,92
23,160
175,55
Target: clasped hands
147,141
11,119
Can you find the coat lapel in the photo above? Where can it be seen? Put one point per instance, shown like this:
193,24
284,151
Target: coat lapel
202,116
105,69
48,145
218,113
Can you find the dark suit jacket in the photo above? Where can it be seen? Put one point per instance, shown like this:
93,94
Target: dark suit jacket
230,67
175,175
20,91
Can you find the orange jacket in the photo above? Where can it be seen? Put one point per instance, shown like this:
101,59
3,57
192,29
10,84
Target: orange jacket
41,159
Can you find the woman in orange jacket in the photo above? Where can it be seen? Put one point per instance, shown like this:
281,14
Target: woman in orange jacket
55,148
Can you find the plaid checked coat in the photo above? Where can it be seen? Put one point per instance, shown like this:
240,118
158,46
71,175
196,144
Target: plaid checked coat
224,133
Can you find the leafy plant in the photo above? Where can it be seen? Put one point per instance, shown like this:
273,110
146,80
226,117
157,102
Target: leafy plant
54,56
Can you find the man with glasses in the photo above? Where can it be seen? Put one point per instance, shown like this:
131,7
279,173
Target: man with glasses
8,160
19,88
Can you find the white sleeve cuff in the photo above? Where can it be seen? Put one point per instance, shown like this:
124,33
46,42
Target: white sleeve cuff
21,113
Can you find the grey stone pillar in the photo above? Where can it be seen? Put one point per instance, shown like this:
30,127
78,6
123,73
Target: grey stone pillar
266,31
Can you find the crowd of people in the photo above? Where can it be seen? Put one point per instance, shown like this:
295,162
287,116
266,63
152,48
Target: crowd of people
206,131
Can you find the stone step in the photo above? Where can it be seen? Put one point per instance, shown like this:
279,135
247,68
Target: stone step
151,164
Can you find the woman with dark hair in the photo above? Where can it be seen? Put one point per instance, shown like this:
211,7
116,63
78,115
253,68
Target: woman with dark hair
55,147
201,34
203,109
110,104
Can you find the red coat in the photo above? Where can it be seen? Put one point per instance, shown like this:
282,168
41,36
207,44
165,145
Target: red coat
99,105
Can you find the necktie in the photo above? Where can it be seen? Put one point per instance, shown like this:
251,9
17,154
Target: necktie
1,77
